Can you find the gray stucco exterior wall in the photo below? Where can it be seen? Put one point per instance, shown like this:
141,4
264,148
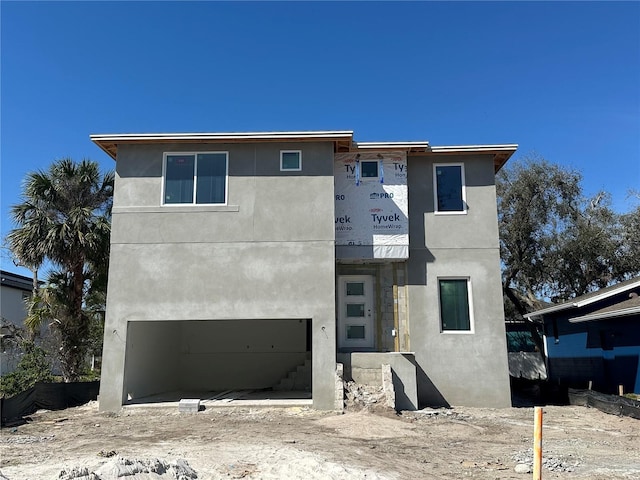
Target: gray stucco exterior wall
268,254
461,368
200,294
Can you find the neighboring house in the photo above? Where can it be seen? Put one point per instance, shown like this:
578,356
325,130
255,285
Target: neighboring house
15,290
595,338
238,258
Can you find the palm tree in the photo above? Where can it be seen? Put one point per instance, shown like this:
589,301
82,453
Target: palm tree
64,219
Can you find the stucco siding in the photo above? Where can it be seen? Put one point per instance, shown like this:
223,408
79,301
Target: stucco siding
469,368
267,254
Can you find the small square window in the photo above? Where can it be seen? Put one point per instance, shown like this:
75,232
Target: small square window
369,169
291,160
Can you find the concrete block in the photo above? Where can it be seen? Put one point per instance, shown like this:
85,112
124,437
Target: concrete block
189,405
339,400
366,376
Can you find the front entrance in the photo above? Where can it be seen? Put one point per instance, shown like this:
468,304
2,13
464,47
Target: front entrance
355,312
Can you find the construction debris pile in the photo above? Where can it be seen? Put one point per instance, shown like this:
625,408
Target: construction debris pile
366,397
553,464
120,467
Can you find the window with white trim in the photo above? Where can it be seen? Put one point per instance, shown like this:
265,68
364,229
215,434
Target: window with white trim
455,305
195,178
449,188
290,160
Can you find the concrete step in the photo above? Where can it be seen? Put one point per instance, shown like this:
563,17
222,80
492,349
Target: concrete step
298,379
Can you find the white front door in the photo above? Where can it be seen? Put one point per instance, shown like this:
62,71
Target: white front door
355,311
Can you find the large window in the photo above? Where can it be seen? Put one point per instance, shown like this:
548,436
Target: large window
449,188
455,311
206,171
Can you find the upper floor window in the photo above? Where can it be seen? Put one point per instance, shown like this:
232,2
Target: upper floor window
369,169
455,305
290,160
195,178
449,188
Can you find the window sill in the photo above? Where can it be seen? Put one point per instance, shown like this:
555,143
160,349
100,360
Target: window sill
178,209
454,212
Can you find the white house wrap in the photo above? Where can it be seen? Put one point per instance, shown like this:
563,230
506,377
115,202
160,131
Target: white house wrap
371,204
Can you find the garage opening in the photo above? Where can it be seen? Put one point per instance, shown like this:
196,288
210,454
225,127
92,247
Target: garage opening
218,360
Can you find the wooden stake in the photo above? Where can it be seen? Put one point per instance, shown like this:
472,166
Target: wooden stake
621,390
590,384
537,443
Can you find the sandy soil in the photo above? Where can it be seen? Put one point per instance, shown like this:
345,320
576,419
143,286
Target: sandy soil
300,443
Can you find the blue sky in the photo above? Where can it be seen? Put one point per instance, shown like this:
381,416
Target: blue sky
560,79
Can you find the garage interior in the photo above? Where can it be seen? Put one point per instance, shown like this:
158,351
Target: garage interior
217,360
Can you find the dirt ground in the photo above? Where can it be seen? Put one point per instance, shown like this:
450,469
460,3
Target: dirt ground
300,443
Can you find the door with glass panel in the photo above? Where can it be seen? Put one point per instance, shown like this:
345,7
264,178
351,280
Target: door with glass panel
355,312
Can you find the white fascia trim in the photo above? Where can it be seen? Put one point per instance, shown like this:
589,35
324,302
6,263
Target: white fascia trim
586,301
510,147
608,294
603,316
378,145
221,136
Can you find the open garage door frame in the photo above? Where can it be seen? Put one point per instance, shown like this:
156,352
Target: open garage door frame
170,360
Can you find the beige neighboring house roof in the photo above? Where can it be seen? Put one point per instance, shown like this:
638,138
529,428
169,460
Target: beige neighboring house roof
342,139
626,307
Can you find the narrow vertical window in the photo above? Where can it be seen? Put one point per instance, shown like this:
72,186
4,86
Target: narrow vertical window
449,188
179,173
212,178
454,305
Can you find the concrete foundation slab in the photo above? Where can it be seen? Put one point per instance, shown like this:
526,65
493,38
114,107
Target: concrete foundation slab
228,398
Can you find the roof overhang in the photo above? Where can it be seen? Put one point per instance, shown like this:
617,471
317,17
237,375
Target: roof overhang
109,142
606,315
342,139
587,301
14,280
501,153
409,147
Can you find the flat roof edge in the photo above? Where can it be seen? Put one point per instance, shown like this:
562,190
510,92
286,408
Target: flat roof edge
423,144
506,147
226,135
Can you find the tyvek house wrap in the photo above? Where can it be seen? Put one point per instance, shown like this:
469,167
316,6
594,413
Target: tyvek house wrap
372,211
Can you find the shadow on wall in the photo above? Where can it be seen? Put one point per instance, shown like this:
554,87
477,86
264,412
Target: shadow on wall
403,398
417,265
428,394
